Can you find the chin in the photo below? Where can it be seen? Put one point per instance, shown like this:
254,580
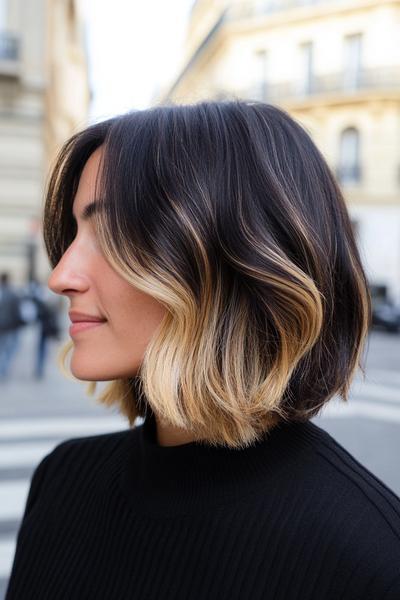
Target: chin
88,372
87,375
91,372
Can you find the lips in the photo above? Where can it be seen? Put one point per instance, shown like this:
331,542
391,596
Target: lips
83,321
78,317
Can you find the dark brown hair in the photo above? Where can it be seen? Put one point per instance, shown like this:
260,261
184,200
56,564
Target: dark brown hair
228,214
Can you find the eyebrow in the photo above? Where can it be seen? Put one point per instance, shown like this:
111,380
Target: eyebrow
89,210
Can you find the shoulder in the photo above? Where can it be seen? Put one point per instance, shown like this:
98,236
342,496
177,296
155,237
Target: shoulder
356,480
355,506
344,519
90,446
86,452
73,462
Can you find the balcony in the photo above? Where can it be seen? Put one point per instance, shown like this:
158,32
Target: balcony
257,8
342,83
9,54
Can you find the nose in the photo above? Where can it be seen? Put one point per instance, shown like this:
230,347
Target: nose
68,276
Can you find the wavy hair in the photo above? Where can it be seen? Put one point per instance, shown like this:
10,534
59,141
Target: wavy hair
227,214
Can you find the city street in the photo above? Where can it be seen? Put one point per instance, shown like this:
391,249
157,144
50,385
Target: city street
37,415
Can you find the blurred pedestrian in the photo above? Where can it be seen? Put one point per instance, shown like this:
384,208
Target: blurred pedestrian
10,322
41,308
49,328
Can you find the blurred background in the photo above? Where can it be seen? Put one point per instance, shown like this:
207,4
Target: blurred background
334,65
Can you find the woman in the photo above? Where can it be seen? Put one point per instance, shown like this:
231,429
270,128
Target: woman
214,281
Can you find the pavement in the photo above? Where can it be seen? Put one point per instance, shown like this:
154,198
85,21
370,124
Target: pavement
36,415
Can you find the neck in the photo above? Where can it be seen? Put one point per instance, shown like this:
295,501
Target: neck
168,435
194,477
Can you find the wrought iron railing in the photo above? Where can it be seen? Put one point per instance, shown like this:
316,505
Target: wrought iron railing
256,8
343,82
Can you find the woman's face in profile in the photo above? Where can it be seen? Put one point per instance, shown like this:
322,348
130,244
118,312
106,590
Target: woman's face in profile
112,348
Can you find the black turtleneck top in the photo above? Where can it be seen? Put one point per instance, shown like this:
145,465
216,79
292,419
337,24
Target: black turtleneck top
294,516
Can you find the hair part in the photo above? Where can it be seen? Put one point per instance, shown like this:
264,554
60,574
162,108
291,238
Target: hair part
228,214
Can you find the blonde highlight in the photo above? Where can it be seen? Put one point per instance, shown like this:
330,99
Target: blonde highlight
258,326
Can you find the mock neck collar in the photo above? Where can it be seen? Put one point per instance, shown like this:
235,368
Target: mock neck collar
196,478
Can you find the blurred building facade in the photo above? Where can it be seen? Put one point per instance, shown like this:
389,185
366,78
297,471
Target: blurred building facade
44,97
334,65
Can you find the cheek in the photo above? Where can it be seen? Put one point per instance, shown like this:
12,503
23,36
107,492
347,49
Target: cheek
134,315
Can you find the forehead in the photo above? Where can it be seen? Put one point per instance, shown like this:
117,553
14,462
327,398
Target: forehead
87,181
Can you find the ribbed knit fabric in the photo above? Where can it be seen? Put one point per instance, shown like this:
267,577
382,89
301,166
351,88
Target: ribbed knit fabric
294,516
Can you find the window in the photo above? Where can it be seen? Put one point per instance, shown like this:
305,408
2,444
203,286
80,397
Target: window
8,40
349,159
3,15
307,67
261,74
266,6
352,61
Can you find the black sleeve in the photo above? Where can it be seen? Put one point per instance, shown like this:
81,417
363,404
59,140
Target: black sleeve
36,485
36,489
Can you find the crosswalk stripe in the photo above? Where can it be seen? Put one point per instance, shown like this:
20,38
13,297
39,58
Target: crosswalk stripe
24,454
7,550
377,411
377,392
13,498
389,377
60,426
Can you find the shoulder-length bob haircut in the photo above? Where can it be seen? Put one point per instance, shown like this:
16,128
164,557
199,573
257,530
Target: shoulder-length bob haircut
227,214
